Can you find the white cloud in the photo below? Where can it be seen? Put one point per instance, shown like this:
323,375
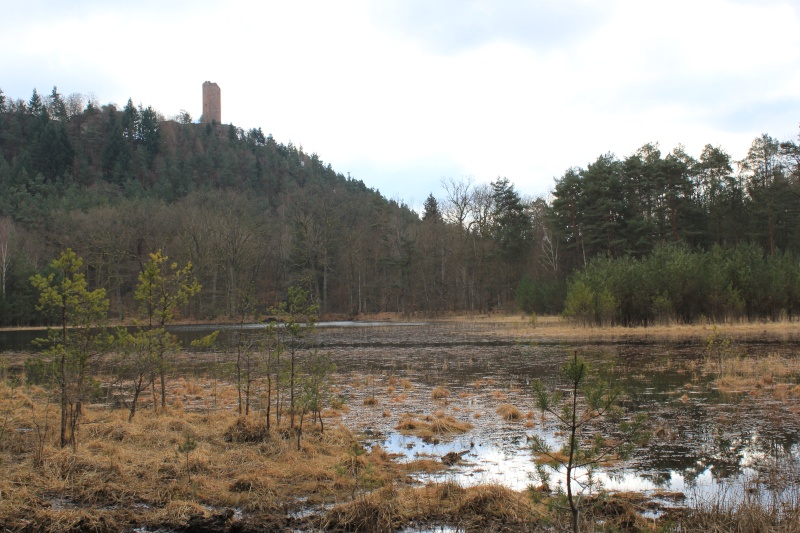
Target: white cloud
478,88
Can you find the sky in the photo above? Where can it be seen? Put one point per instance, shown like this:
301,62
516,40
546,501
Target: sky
403,94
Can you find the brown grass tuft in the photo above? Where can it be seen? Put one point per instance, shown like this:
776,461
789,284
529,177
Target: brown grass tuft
400,398
245,429
432,425
498,395
447,424
440,393
509,412
487,503
448,490
377,511
193,389
409,424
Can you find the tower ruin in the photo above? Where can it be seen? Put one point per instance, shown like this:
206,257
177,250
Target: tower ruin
212,103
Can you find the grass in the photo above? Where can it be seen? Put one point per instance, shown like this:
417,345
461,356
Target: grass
480,508
127,474
430,425
370,401
773,373
508,412
440,393
557,328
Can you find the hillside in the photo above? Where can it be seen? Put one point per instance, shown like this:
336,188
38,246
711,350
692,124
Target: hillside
249,213
651,237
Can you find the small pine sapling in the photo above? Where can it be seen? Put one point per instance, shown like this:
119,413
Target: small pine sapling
577,413
186,447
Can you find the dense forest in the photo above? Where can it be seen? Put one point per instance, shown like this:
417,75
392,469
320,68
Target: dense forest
651,237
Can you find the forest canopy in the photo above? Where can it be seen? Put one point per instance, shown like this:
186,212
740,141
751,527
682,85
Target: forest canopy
650,237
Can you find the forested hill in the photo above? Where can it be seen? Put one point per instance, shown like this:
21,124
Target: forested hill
248,212
615,243
81,156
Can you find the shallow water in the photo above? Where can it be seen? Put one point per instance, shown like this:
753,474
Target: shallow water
704,441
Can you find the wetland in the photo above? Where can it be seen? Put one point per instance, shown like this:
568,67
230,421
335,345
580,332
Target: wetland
448,405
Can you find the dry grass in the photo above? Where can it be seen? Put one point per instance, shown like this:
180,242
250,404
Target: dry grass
125,475
400,398
244,429
725,513
440,393
447,424
509,412
430,425
753,374
480,508
556,328
498,395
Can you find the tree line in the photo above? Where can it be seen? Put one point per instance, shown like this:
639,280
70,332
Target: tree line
255,217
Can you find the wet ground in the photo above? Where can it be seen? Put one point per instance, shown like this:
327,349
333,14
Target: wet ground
704,443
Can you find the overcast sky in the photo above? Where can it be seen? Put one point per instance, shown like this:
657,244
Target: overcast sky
403,93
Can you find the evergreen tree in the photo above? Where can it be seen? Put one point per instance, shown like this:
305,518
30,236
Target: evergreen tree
130,120
35,105
430,209
79,341
511,227
57,108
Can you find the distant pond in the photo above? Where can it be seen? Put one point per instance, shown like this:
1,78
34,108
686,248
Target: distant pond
22,340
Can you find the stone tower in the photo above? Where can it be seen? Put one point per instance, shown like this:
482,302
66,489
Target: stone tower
212,103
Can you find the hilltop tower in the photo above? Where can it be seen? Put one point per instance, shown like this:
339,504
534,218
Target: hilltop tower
212,103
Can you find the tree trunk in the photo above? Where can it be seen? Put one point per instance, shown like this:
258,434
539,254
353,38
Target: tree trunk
136,391
291,393
64,398
269,399
163,387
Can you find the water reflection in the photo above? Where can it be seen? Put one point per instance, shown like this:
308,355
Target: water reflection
704,440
